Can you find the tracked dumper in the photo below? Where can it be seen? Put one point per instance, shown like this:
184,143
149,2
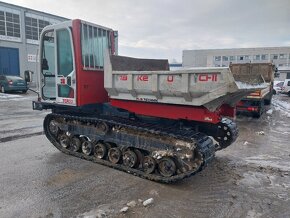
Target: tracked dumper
132,114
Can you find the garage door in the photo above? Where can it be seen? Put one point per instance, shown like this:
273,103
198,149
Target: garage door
9,61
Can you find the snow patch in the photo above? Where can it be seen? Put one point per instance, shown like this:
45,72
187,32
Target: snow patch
148,202
269,112
11,97
261,133
282,106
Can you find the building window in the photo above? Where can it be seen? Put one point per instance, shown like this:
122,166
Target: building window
264,57
281,65
288,75
232,58
9,24
41,25
225,58
257,57
247,57
217,65
217,58
2,23
240,58
33,27
282,56
274,56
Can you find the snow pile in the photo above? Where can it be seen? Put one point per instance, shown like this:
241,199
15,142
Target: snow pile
242,85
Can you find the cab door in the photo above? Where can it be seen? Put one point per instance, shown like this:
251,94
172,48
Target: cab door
65,67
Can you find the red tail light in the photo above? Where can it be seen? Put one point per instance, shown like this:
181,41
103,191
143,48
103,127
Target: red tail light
10,82
252,109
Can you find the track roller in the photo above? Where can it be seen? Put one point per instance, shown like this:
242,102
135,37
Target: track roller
166,167
100,150
64,141
130,159
87,147
115,155
149,164
75,144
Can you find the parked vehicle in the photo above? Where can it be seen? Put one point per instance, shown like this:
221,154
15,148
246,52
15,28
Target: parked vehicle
255,102
12,83
132,114
277,87
286,87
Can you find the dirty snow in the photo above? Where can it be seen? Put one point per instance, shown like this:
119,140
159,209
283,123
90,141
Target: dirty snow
268,161
282,106
13,97
124,209
242,85
131,204
269,112
148,202
261,133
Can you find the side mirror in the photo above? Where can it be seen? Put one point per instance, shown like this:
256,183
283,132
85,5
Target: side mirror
28,76
44,64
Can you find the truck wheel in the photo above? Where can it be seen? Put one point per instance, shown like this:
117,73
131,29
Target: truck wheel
267,101
256,115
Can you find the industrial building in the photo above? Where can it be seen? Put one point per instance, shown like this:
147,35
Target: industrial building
280,56
20,28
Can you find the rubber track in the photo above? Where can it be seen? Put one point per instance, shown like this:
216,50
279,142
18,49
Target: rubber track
204,145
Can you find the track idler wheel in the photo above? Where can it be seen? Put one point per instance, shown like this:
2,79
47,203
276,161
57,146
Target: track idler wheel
75,144
167,167
64,141
114,155
87,147
130,159
149,164
53,127
100,150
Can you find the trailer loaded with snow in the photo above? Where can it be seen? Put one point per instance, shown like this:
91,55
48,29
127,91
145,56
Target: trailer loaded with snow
260,74
133,114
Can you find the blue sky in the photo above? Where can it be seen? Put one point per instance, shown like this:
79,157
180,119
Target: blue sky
162,29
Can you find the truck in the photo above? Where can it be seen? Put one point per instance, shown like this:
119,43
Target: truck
286,87
134,115
259,73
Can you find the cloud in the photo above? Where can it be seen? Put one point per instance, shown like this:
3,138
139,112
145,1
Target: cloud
162,29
